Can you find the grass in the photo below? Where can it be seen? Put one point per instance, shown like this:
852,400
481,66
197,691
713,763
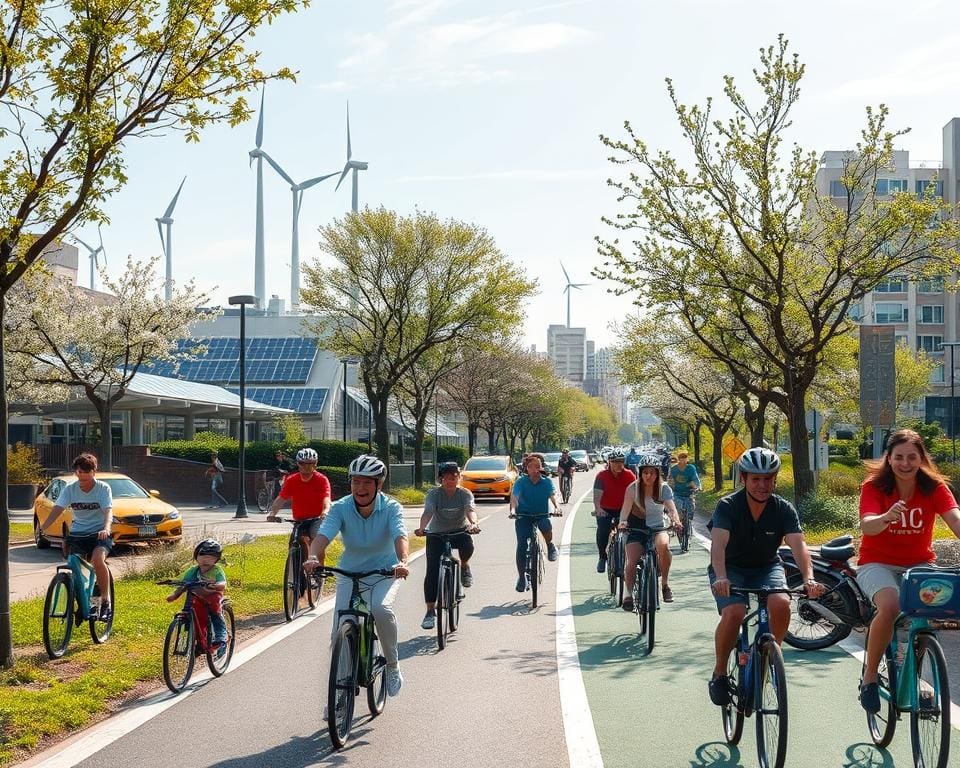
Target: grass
409,496
21,532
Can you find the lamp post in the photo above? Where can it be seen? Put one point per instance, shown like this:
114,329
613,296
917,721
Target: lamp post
242,301
345,360
953,432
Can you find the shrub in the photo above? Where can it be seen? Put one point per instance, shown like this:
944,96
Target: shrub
823,511
408,496
452,453
259,454
842,480
23,465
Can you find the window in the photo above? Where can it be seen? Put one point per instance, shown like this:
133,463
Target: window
932,345
889,312
855,312
930,285
891,186
892,285
932,313
921,187
838,188
937,375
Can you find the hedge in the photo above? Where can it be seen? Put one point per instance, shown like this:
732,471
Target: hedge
259,454
825,512
452,453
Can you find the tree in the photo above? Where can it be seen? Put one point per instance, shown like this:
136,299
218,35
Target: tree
471,387
401,286
626,433
742,246
78,81
911,375
73,338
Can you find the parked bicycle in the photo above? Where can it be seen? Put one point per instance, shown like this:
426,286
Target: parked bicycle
913,671
449,590
646,590
566,486
73,595
616,560
301,590
534,567
268,488
758,683
357,660
190,635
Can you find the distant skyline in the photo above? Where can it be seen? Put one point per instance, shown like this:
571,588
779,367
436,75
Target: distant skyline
490,112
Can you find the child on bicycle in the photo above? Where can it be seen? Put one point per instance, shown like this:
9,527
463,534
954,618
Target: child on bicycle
207,555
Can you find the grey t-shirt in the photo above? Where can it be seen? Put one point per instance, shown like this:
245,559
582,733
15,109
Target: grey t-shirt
656,516
88,508
449,512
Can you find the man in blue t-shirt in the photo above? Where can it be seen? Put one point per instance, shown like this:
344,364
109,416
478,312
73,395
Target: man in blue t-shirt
685,481
530,502
632,460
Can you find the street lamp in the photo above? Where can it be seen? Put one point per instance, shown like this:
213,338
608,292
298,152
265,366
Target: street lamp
953,431
345,361
242,301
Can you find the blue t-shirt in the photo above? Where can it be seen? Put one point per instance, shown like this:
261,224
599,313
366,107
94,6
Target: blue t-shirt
368,543
632,459
88,508
533,498
683,478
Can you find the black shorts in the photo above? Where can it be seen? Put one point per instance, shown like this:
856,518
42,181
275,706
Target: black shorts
84,545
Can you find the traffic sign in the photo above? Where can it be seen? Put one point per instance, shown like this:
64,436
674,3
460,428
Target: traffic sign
733,448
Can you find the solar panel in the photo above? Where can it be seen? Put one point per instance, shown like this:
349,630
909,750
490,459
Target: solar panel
273,360
299,399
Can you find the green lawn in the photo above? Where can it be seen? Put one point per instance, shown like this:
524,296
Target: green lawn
21,532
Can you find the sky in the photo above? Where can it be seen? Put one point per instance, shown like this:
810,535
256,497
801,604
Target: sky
490,111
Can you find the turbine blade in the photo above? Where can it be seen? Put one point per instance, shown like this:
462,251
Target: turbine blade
173,203
163,245
565,272
276,166
346,170
260,120
83,244
349,148
310,182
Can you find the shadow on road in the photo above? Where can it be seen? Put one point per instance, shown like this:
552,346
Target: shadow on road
302,752
422,645
716,754
865,755
504,609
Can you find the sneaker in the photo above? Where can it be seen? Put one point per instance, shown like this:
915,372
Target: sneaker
552,553
466,576
522,583
667,594
601,565
627,604
105,611
394,681
870,697
719,688
222,650
429,620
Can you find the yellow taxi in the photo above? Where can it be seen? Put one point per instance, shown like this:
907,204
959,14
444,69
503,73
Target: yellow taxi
138,515
489,476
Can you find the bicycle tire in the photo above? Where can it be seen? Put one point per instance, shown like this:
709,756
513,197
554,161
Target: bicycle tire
100,630
565,488
342,686
178,653
930,720
637,593
650,605
453,600
377,678
808,630
685,525
731,715
291,582
883,724
263,499
534,568
217,664
58,615
440,607
771,706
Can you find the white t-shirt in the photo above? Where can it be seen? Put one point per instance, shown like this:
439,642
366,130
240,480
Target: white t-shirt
88,508
656,515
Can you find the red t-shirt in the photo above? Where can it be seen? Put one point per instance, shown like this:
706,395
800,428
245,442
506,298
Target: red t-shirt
306,497
612,488
909,540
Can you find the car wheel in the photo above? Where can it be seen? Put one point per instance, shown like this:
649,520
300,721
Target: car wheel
39,539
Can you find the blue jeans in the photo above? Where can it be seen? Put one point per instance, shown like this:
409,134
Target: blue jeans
524,527
216,498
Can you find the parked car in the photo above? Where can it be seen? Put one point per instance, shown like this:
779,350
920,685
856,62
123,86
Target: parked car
489,476
594,457
583,460
550,463
138,515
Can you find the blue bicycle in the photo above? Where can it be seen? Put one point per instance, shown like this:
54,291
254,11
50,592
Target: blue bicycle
73,596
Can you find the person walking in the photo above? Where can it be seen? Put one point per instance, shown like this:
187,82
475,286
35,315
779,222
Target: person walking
215,474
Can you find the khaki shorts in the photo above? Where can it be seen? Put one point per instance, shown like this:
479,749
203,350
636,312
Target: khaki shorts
873,577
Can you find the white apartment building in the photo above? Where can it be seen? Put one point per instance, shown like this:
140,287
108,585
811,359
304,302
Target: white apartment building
567,350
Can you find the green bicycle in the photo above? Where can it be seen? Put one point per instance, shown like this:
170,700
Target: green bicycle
70,597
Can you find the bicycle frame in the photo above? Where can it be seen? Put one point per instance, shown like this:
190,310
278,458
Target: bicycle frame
905,698
749,652
358,613
84,580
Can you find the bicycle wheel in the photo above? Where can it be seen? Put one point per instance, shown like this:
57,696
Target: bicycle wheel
291,582
58,615
377,682
218,662
100,630
342,688
639,590
565,483
314,587
178,655
771,706
732,714
535,567
930,720
809,630
685,525
453,601
440,608
650,601
883,724
263,499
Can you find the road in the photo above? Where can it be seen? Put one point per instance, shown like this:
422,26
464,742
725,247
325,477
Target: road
494,696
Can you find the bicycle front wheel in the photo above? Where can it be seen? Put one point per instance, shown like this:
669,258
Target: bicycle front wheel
377,682
883,724
453,601
732,714
535,568
100,629
178,655
263,499
930,718
771,707
809,630
58,615
342,687
314,587
219,660
291,582
440,609
650,601
639,593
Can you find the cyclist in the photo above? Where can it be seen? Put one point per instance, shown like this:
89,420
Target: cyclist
532,495
566,466
648,506
446,508
631,460
746,529
91,502
207,555
374,536
685,482
308,492
899,503
609,487
285,466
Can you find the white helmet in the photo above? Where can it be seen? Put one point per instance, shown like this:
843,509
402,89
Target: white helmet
759,461
649,460
306,455
367,466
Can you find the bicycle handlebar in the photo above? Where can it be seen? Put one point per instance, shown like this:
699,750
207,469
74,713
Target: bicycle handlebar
514,515
326,570
451,533
767,591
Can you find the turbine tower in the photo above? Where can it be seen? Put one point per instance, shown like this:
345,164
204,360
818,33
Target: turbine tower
352,165
167,242
566,290
94,252
259,263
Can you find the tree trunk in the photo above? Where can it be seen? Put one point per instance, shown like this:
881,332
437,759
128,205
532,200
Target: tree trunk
803,480
419,429
696,443
471,438
106,436
492,438
756,421
381,432
717,430
6,631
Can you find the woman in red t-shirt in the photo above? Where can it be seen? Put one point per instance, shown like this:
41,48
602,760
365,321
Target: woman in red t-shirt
899,503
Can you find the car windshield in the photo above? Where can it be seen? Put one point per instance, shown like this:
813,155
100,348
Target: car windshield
552,457
578,454
125,488
485,464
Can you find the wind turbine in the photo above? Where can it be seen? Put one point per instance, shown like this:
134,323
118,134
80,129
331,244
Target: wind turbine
94,252
566,290
167,242
259,263
352,165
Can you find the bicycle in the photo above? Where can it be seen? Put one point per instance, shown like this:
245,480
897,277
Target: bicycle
267,489
686,506
534,567
301,590
646,589
449,591
357,661
74,583
616,558
758,683
188,636
913,670
566,486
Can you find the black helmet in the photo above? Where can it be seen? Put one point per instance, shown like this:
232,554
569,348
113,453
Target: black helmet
208,547
448,466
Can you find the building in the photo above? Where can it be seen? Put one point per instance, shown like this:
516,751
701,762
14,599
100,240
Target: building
567,350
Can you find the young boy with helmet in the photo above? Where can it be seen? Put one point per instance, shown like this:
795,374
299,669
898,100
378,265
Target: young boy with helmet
207,555
374,536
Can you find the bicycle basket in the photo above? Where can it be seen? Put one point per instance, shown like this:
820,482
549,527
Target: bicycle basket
929,593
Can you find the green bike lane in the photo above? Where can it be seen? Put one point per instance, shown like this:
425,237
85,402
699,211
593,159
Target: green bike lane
655,711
